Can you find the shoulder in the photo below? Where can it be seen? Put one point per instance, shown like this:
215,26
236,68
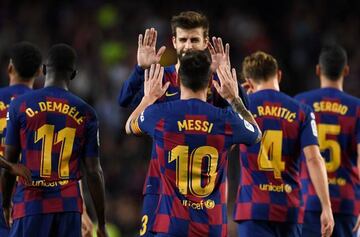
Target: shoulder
4,93
305,95
351,99
81,104
170,68
30,95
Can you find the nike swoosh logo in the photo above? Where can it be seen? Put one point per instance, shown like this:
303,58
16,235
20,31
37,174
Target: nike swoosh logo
170,94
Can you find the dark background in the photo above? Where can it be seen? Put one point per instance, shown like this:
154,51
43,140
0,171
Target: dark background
104,35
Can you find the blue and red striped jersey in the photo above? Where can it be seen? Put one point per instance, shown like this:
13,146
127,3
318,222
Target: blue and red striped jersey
54,130
338,122
130,95
269,187
191,139
6,95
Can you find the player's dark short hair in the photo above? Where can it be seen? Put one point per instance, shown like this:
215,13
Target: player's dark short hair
26,59
194,71
259,66
332,60
61,58
190,20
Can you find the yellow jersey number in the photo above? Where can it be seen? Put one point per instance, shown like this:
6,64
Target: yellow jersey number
335,151
188,169
269,158
144,221
2,128
66,136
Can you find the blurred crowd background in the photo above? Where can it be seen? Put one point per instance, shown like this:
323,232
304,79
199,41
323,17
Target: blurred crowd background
105,34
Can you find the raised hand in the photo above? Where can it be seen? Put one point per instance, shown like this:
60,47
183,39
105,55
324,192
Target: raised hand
228,87
146,53
153,87
219,55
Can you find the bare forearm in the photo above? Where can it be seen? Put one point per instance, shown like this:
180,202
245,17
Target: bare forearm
5,164
7,183
145,102
318,175
239,107
95,181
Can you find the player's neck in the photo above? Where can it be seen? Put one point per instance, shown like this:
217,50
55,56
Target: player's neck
17,81
271,84
326,83
177,66
51,81
189,94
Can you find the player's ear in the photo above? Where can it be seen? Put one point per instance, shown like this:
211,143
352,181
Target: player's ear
279,75
174,41
206,40
250,82
346,70
318,70
10,68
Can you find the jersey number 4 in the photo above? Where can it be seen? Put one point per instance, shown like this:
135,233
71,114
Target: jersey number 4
66,136
189,175
270,153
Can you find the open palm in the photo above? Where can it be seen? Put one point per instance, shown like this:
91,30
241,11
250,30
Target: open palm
146,54
219,55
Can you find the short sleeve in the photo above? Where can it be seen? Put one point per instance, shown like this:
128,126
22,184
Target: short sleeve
92,136
13,125
147,120
243,132
308,130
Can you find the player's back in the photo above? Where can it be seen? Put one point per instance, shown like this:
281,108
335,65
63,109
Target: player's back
54,126
269,186
6,95
338,122
191,140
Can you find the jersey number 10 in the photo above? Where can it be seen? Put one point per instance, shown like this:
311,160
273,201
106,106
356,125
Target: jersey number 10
189,169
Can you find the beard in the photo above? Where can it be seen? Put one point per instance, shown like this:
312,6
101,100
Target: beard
182,52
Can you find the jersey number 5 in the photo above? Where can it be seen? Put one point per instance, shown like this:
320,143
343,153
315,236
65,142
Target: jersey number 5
269,158
66,136
189,173
335,151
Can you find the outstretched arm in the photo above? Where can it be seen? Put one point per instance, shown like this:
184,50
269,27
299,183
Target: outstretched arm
228,89
317,170
131,91
220,55
153,89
